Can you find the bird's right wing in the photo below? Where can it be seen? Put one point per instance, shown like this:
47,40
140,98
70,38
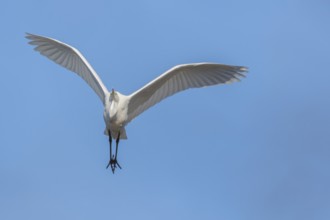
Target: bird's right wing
70,58
180,78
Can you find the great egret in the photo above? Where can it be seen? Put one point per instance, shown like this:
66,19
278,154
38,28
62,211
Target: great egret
120,109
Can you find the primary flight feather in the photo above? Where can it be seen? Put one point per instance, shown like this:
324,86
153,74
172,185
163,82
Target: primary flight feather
120,109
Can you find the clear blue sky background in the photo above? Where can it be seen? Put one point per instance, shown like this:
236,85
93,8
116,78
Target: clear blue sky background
258,149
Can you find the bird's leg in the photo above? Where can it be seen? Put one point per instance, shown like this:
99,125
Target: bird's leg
117,143
111,156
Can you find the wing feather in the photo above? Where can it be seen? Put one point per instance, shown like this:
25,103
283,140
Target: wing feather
70,58
180,78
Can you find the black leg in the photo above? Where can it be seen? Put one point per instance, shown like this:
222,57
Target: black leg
117,143
110,141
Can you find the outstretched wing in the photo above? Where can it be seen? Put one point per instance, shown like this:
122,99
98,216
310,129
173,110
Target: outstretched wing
70,58
180,78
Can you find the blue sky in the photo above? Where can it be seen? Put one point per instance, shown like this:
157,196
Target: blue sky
258,149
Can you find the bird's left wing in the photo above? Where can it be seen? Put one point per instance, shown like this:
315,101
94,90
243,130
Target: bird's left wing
70,58
180,78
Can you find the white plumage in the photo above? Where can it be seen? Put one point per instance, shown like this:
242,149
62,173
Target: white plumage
120,109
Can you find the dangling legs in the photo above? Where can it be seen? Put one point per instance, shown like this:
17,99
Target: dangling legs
113,158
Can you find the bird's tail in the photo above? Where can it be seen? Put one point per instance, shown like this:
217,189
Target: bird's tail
114,134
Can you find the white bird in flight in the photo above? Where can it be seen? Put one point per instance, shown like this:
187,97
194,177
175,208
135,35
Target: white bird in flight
120,109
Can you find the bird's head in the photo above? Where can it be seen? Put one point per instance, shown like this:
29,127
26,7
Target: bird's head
113,95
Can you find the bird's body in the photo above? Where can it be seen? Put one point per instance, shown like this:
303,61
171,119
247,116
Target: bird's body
115,114
120,109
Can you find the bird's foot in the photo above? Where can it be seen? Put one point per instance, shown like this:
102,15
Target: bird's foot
113,163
